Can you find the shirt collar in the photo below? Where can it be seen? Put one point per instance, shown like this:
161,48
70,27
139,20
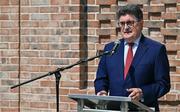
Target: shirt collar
136,42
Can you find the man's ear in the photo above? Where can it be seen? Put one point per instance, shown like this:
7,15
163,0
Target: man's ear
142,23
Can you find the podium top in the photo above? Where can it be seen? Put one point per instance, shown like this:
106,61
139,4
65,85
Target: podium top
94,99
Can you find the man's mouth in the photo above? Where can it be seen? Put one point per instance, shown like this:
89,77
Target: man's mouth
127,32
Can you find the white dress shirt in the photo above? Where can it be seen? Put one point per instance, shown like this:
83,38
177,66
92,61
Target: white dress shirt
134,48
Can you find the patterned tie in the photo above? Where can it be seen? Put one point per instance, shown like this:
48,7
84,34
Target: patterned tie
129,59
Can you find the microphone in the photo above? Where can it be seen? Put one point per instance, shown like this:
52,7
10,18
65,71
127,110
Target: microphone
114,49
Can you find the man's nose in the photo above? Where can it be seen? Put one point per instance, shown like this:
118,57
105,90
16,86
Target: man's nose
126,27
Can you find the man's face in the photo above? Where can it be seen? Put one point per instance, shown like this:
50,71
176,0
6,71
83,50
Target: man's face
130,27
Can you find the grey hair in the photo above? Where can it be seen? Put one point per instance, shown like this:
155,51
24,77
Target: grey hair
130,9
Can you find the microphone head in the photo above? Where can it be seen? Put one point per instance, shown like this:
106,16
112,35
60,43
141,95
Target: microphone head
116,42
114,49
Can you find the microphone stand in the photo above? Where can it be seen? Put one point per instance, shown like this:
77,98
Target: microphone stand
58,74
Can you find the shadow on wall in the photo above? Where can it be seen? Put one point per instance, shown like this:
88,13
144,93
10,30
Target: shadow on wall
83,41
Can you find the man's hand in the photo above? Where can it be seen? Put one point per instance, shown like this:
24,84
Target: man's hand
135,93
102,93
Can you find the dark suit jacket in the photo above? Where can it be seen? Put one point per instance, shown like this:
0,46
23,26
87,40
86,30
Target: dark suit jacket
149,71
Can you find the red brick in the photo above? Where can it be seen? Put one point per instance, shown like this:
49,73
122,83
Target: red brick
73,106
59,2
4,2
106,32
91,1
162,99
25,17
105,2
9,109
138,1
174,62
178,7
27,24
75,31
70,9
52,105
14,104
5,103
14,60
171,24
177,70
153,24
77,91
171,8
154,8
29,9
156,1
74,77
64,91
177,86
69,84
169,1
4,17
48,24
9,9
14,2
39,105
76,2
145,16
172,47
9,68
14,75
168,109
170,16
171,97
25,104
91,91
169,31
106,17
47,83
64,106
175,78
49,9
60,16
25,3
9,24
75,16
64,99
93,24
30,53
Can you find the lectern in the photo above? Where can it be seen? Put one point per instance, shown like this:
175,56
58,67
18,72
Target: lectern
93,103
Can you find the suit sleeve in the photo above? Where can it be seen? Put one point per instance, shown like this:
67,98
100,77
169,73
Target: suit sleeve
101,82
161,83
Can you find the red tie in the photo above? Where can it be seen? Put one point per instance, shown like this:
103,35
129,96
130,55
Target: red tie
129,59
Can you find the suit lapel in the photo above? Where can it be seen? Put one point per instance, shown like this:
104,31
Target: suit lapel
142,48
121,59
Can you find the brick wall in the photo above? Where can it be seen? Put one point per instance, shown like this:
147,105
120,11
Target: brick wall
37,36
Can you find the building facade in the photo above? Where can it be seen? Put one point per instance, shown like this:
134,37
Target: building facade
39,36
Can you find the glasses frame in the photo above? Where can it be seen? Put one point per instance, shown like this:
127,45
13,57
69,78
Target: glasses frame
129,24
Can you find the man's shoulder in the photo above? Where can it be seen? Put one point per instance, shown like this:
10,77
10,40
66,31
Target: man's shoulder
152,42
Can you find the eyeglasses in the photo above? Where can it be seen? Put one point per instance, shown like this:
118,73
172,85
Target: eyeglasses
128,23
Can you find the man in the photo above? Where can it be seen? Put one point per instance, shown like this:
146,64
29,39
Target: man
139,68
